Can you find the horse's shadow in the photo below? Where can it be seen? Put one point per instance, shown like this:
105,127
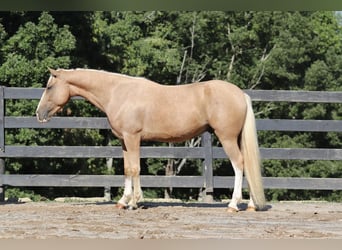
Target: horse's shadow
155,204
11,201
151,204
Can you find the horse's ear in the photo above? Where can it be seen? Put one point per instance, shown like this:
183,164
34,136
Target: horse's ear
53,72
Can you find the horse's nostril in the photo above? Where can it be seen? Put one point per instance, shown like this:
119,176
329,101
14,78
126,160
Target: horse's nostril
40,118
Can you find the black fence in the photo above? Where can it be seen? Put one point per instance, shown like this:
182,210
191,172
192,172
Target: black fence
206,151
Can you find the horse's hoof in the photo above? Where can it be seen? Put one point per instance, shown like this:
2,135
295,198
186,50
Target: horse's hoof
251,209
120,206
130,207
232,210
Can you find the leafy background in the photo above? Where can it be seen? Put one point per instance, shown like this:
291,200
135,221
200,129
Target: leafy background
255,50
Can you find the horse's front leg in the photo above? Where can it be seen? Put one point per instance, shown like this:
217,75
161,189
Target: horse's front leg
127,195
131,197
131,153
137,192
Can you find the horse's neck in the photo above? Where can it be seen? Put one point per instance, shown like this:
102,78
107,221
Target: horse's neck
89,86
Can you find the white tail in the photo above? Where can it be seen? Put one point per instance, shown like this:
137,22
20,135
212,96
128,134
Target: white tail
250,151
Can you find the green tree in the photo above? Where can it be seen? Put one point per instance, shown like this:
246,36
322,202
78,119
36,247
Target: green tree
258,50
306,56
265,50
26,55
32,49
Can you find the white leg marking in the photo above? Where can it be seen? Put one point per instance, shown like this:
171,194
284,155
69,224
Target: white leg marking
251,203
237,193
127,196
137,193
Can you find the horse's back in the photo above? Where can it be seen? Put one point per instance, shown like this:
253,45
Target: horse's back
205,99
192,108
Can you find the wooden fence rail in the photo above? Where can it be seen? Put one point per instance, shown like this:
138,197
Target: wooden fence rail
206,151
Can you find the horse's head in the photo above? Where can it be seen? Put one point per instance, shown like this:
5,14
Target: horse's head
55,96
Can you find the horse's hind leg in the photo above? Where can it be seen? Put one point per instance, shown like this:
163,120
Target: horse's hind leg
231,148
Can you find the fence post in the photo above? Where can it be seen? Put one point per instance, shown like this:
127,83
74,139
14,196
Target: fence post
208,167
2,172
2,142
107,195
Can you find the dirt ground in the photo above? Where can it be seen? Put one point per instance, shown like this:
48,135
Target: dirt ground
168,220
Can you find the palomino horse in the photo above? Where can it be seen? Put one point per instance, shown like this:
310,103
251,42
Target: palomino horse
139,109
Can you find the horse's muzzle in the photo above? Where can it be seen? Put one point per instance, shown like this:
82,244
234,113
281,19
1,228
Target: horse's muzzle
42,117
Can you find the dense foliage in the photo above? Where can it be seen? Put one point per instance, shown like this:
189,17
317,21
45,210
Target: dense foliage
260,50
